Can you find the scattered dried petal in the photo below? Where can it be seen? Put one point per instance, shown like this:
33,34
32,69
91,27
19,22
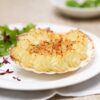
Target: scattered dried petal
17,78
5,61
3,72
8,71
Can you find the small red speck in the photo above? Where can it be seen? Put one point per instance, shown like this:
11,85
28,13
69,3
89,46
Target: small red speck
5,61
16,78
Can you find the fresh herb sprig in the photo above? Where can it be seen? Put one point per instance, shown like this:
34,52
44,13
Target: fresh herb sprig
85,4
8,37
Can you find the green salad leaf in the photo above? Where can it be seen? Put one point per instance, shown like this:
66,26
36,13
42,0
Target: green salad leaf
85,4
8,37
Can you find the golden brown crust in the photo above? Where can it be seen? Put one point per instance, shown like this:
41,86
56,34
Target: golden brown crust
55,45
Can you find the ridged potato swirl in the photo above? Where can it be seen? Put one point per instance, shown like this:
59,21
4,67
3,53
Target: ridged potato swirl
45,51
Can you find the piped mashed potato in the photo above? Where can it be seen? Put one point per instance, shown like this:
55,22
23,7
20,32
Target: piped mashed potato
45,51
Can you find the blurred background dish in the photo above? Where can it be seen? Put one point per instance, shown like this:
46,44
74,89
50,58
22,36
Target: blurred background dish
77,8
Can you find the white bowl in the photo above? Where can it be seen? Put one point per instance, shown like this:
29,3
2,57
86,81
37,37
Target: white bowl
76,12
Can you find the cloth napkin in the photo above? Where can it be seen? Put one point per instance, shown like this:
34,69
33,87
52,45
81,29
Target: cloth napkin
92,86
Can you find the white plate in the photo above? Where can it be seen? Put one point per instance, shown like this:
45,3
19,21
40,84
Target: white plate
74,11
32,81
